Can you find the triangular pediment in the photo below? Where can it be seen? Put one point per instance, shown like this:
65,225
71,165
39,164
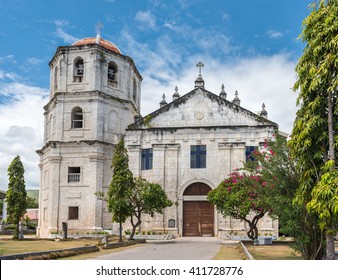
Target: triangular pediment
201,108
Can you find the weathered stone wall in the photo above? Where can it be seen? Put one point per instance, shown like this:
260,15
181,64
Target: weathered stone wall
107,110
196,122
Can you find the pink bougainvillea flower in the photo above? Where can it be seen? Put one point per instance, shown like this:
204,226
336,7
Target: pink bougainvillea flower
229,189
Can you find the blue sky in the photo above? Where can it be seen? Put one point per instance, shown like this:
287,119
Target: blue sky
247,45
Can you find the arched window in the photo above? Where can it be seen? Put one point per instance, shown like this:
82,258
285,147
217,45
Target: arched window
134,90
112,74
77,118
78,70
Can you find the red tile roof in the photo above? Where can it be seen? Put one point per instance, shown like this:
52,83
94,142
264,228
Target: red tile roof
104,43
33,214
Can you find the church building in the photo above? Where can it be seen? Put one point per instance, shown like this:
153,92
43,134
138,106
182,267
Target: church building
188,146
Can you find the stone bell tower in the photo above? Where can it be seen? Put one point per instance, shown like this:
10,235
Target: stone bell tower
95,93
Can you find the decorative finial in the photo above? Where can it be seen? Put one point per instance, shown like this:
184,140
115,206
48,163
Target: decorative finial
236,100
223,94
263,113
163,102
176,95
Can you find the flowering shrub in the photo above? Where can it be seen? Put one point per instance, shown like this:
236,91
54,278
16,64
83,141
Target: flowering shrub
240,195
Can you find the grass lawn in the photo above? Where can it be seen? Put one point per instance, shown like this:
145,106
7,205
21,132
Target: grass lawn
272,252
230,252
100,253
27,245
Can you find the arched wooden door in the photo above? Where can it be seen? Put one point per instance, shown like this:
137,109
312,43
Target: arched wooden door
198,215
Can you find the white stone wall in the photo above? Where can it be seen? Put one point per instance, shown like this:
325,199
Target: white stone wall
107,110
57,194
95,75
104,119
197,121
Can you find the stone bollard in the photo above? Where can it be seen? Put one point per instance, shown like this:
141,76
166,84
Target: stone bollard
104,240
20,230
64,230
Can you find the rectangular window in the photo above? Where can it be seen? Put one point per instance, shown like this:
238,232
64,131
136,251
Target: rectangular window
147,159
73,213
74,174
198,156
248,152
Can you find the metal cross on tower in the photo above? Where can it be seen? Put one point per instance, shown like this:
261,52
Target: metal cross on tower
98,27
200,65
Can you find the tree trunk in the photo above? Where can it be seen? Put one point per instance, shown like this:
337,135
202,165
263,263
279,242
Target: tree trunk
330,126
134,227
120,232
330,247
253,232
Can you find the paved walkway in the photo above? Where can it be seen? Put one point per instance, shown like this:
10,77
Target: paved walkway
184,248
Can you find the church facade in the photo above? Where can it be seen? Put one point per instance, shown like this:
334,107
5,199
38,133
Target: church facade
187,146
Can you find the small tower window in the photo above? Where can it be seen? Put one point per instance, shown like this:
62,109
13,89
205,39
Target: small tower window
78,70
77,118
74,174
112,74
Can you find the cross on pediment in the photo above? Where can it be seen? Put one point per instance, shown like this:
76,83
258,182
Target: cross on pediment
200,65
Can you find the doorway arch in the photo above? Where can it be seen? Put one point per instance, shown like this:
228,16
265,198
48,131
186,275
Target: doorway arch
198,213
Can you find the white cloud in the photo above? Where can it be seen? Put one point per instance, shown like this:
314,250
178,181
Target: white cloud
184,4
275,34
146,19
7,75
62,34
8,59
21,130
34,60
225,16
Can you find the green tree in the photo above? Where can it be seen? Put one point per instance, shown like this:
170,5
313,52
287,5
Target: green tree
16,196
146,198
243,197
279,170
324,203
32,202
121,186
313,142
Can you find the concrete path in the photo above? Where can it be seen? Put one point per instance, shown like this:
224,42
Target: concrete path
184,248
